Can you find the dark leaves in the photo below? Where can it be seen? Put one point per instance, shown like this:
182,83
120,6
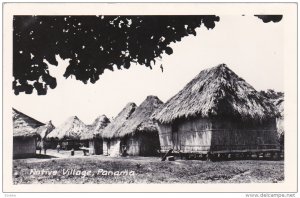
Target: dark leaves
269,18
93,44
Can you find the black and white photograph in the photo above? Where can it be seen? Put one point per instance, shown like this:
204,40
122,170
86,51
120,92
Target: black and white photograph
151,97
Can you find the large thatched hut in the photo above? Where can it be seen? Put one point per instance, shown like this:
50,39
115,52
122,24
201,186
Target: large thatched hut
69,133
217,113
112,144
139,135
24,135
92,138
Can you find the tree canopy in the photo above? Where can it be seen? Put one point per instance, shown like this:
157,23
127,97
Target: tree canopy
269,18
93,44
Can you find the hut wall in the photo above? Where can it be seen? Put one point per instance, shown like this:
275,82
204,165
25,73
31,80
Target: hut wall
203,135
132,145
24,147
237,136
91,147
141,144
98,146
149,144
105,147
111,147
192,135
165,137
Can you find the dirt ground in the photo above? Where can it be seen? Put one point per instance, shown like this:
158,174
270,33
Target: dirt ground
63,168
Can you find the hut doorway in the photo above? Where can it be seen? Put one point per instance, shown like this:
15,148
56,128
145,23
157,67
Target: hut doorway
175,137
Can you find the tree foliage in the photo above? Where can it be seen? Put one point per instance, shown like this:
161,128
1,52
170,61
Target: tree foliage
269,18
93,44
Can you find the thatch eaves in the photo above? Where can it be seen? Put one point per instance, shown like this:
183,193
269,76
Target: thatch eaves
140,120
24,125
118,122
217,92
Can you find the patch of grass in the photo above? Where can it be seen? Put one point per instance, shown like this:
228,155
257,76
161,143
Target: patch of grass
148,170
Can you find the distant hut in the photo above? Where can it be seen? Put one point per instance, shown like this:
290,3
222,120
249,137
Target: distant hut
92,138
111,144
280,122
139,135
277,99
24,135
217,113
69,133
43,131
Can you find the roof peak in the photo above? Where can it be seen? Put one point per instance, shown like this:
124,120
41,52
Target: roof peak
216,92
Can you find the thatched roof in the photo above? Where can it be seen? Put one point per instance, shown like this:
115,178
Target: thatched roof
140,118
96,128
217,92
72,129
24,125
279,104
44,130
277,99
119,121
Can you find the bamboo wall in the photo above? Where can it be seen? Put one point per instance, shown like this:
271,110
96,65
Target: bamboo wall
111,147
24,147
105,147
98,146
191,136
132,145
142,144
230,136
91,147
207,135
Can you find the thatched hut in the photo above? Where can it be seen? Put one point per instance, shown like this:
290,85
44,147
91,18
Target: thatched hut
217,112
43,131
69,133
24,135
111,144
92,138
139,135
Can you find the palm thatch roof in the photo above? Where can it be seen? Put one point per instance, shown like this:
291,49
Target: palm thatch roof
96,128
72,129
140,118
24,125
119,121
277,99
217,92
44,130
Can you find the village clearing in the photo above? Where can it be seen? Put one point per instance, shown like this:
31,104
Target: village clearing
146,170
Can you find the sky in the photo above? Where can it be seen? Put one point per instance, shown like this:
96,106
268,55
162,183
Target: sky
249,47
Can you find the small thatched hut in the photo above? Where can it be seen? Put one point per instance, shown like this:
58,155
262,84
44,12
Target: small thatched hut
216,113
139,135
111,144
92,138
277,98
24,135
43,131
68,133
